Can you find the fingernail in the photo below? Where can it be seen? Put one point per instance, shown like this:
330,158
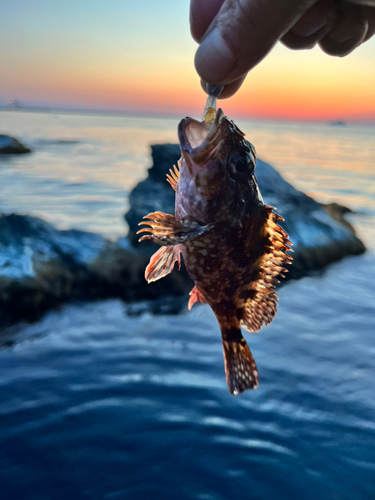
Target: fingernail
214,60
214,90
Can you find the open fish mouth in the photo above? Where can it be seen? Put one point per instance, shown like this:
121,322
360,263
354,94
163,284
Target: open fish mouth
199,138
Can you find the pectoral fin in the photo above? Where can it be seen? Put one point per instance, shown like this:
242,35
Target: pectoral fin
162,263
166,230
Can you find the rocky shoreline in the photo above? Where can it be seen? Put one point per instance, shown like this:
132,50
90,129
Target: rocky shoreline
42,267
320,233
11,146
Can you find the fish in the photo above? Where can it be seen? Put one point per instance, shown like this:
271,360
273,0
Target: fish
231,243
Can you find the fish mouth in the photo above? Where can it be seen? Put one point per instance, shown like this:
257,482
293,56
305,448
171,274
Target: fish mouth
199,139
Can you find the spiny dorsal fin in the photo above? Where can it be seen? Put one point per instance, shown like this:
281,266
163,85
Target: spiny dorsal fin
195,296
174,175
162,263
260,306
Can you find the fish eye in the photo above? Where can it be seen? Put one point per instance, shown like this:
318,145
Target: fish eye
241,162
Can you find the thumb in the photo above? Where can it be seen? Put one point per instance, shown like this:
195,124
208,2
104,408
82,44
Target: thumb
242,34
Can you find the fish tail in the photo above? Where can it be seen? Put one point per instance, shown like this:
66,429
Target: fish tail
240,368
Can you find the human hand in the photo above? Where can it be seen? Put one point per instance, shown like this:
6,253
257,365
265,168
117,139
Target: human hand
235,35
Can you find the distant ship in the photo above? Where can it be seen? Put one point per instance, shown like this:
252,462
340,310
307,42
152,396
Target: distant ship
338,123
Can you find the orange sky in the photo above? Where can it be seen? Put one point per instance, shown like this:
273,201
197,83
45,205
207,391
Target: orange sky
114,57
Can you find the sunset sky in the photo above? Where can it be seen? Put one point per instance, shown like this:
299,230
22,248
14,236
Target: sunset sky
137,55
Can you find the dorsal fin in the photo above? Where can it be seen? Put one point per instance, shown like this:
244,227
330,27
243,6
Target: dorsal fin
174,175
260,299
162,263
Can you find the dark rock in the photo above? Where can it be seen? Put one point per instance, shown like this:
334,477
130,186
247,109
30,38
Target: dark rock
320,234
164,156
41,267
338,213
153,193
11,146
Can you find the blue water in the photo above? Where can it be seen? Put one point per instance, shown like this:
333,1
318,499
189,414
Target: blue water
99,403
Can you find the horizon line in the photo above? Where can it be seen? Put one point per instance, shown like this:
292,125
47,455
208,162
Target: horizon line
156,114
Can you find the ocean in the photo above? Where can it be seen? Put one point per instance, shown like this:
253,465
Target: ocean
97,402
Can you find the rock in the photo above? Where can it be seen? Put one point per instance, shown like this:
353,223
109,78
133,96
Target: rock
11,146
319,233
153,193
318,238
338,213
42,267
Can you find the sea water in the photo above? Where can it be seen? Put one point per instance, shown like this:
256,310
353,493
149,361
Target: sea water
97,403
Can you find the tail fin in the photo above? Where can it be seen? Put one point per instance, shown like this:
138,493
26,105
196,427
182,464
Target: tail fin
240,368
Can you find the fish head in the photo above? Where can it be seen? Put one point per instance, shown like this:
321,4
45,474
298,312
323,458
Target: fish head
217,181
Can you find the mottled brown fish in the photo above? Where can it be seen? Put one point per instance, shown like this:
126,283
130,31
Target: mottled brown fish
231,243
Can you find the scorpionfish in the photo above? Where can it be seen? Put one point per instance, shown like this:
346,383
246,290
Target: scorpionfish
231,243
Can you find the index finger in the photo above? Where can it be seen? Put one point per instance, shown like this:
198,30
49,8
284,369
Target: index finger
241,35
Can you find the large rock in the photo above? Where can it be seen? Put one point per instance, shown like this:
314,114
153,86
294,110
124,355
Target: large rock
153,193
320,234
11,146
41,267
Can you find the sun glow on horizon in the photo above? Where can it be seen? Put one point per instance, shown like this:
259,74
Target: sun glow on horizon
119,59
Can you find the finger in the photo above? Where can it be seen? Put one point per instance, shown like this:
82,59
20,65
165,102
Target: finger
370,16
296,42
202,14
229,90
314,24
369,3
242,34
349,31
316,17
